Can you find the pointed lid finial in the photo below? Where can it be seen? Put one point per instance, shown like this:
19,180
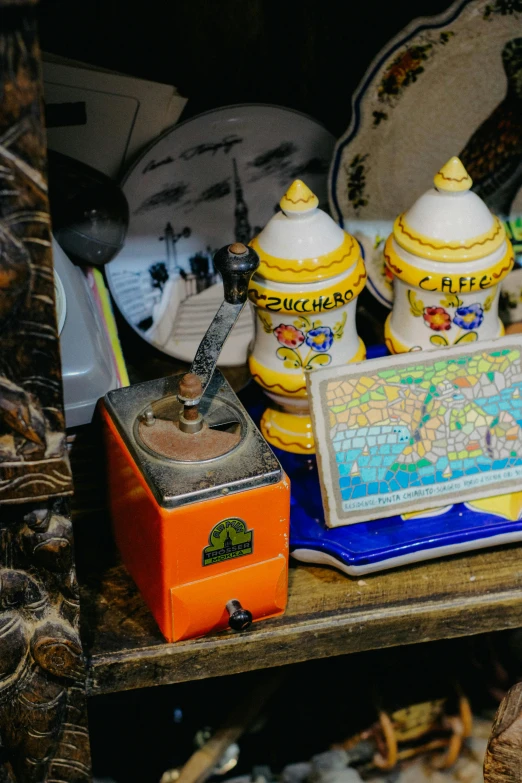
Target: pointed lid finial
299,198
453,177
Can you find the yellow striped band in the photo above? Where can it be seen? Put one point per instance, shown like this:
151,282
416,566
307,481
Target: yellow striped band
288,431
303,301
448,282
308,270
436,250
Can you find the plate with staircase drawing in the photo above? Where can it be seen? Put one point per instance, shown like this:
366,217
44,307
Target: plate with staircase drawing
214,179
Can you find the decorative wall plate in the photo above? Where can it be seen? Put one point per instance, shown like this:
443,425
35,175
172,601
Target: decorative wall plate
213,179
446,85
372,235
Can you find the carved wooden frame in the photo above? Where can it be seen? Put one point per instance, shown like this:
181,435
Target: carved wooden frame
43,721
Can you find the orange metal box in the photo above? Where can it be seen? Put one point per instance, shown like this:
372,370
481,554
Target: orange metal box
196,535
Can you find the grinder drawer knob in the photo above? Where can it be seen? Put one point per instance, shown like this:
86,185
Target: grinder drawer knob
240,619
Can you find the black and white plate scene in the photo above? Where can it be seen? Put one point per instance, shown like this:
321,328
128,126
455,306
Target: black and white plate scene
212,180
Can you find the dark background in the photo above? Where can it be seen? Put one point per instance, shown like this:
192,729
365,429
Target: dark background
308,55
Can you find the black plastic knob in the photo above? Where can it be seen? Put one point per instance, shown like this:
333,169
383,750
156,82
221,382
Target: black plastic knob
236,264
240,619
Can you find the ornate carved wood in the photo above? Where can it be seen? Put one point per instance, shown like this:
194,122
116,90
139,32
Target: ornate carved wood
43,724
33,459
43,721
503,762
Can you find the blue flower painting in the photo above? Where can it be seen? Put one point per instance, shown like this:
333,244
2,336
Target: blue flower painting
469,316
320,338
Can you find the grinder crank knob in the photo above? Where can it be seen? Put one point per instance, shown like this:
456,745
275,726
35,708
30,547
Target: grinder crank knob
240,619
236,264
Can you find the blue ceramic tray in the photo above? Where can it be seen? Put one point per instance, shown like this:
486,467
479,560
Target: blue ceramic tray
382,543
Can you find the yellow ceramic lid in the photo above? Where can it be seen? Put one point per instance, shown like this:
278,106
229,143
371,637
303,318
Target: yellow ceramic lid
449,222
452,177
302,244
298,198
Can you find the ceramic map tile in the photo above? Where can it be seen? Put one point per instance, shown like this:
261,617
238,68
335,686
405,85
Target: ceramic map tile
418,430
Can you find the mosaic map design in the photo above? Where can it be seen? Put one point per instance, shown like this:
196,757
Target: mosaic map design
422,433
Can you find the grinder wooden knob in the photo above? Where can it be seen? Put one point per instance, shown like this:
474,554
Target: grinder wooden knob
236,264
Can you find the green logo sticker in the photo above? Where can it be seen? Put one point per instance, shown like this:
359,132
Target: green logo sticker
228,539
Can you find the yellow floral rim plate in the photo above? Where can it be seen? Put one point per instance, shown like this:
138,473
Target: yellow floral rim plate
425,98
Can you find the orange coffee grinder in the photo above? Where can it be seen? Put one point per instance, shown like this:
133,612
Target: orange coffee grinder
200,505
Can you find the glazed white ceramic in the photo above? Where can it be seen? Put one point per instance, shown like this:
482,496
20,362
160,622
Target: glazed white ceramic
206,182
341,351
304,295
416,332
371,235
300,235
452,249
291,339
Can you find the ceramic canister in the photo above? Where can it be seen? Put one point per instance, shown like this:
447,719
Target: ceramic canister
304,294
447,254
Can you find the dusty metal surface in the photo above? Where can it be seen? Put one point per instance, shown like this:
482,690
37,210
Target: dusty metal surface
212,343
236,264
174,483
167,439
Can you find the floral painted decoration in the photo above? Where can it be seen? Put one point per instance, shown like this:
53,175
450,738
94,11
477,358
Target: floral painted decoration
466,317
314,335
320,339
469,316
266,321
356,181
451,300
407,66
416,304
488,303
437,318
440,340
289,336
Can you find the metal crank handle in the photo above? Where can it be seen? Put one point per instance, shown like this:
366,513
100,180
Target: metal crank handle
236,263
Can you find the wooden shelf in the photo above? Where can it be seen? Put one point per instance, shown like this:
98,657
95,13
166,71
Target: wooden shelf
328,613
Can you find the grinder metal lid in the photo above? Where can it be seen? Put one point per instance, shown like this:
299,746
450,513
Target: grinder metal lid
181,474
